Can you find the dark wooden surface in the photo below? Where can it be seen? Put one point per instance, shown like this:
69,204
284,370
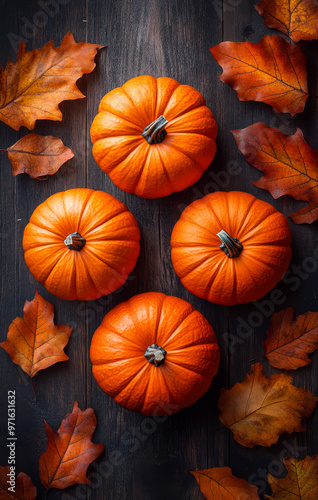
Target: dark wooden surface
156,37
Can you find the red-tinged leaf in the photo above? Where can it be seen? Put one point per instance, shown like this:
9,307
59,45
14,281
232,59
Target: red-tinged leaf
296,18
32,88
69,450
23,487
260,409
301,482
289,341
289,165
219,483
34,342
38,155
272,71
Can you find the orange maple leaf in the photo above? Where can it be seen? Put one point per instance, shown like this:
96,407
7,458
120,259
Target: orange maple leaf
69,450
219,483
289,165
24,488
296,18
34,342
38,155
272,71
301,481
32,88
259,409
289,341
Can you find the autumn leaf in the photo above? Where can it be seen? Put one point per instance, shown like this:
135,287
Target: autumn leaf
259,409
296,18
69,450
34,342
289,341
272,71
23,486
38,155
301,483
289,165
219,483
32,88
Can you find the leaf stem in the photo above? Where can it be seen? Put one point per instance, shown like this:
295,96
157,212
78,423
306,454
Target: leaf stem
256,359
3,150
33,388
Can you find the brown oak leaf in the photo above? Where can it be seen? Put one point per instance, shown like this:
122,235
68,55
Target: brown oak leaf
289,341
296,18
69,450
301,482
34,342
272,71
289,165
219,483
38,155
23,486
259,409
32,88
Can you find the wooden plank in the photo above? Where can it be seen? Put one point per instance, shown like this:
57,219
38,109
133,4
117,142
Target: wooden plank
248,324
161,39
59,386
144,458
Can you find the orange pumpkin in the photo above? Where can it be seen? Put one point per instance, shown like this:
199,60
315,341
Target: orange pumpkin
153,136
81,244
253,256
154,354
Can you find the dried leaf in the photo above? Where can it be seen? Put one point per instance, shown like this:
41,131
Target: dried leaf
219,483
296,18
272,71
301,483
289,165
289,341
24,489
38,155
32,88
34,342
259,409
69,450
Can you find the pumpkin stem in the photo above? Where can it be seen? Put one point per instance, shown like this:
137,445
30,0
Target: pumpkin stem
155,133
75,241
230,246
155,354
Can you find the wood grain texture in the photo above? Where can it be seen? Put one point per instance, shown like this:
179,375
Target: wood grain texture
143,459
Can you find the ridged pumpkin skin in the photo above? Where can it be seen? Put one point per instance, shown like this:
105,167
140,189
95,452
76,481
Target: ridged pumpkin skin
108,256
118,354
205,269
153,170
